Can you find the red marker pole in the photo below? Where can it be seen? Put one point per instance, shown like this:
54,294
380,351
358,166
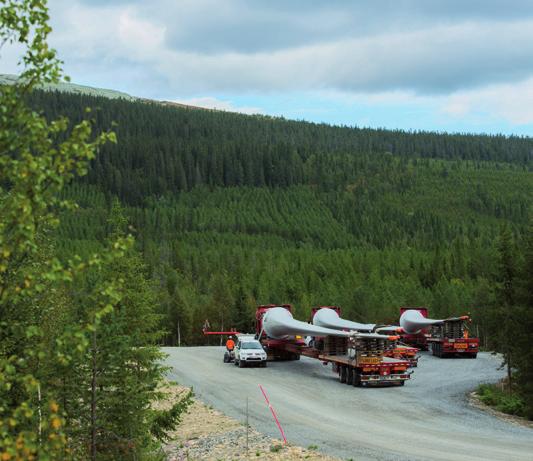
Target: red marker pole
273,414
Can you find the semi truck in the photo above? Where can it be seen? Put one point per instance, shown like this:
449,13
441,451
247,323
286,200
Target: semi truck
446,337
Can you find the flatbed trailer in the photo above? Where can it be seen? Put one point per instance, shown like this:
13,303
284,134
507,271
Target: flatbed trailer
361,369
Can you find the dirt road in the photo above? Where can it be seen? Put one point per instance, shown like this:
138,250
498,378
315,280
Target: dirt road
427,419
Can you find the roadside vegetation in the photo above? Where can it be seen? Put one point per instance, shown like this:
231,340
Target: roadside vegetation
495,395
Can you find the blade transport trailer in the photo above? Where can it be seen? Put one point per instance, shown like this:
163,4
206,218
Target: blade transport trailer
358,358
330,317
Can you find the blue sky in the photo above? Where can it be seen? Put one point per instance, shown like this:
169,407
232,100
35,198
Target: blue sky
444,65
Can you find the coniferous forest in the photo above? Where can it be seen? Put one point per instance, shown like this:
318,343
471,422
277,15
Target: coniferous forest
230,211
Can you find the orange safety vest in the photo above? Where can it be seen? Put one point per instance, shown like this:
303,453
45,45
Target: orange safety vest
230,344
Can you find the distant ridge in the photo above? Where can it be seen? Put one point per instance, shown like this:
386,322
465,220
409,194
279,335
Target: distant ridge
9,79
66,87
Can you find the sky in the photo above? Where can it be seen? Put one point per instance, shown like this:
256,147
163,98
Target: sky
441,65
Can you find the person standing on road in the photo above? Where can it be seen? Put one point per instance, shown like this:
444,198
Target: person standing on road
230,344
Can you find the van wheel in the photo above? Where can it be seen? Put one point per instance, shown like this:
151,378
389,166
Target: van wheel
264,364
241,364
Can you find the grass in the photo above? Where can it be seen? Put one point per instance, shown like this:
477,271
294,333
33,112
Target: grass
494,396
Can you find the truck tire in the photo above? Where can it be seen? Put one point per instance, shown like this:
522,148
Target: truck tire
473,355
356,378
349,376
343,373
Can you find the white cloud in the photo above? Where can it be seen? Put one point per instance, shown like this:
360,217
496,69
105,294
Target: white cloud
511,102
428,56
218,104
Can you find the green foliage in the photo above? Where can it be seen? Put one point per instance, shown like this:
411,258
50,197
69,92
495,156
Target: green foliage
522,335
164,422
494,396
79,366
36,160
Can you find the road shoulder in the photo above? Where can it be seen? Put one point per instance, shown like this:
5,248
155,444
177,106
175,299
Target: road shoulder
473,400
207,434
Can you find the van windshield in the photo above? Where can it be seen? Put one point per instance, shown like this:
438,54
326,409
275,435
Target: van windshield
251,345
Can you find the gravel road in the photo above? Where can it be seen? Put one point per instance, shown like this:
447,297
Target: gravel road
427,419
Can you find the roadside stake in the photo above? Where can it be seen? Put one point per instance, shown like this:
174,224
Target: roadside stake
273,414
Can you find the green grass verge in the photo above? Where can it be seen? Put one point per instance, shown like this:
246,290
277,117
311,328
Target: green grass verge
501,400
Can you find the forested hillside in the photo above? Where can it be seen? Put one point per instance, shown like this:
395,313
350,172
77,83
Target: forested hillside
232,210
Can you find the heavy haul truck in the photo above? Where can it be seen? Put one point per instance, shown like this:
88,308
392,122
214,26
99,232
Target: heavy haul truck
451,339
446,337
357,357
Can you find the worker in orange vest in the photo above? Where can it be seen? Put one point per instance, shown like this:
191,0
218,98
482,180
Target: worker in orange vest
230,344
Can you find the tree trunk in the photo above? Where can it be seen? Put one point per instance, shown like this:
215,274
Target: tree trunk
222,328
509,372
93,399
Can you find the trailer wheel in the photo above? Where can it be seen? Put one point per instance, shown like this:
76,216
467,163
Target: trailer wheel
343,373
349,376
436,349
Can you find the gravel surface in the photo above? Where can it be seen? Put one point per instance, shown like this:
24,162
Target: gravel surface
208,435
427,419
